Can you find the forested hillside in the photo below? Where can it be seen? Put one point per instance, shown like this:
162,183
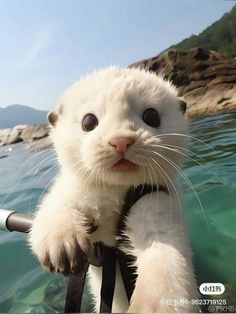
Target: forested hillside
220,36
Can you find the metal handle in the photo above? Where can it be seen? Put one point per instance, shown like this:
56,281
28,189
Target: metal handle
13,221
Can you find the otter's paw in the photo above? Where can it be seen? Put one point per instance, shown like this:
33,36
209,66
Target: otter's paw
61,249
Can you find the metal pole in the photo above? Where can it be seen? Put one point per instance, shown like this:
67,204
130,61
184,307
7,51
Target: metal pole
13,221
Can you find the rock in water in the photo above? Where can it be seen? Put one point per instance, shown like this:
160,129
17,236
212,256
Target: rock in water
9,136
26,133
34,132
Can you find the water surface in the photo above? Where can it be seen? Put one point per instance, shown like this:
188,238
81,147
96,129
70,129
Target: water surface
24,177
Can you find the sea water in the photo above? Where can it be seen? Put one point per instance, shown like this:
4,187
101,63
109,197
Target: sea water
209,188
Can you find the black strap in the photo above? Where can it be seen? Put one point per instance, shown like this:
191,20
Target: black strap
107,257
128,272
131,197
126,262
75,291
108,279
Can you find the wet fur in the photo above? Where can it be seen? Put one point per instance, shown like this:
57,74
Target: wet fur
87,191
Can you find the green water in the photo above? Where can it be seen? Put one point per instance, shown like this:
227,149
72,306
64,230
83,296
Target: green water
25,288
213,236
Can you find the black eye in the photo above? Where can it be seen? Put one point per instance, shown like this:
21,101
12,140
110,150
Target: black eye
89,122
182,106
151,117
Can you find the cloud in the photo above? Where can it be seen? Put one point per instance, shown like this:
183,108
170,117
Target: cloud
42,39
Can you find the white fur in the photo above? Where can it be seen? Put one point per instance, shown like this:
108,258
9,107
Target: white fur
88,191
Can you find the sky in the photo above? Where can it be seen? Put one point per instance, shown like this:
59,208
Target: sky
46,45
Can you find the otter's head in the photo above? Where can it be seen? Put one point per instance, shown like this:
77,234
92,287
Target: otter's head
120,127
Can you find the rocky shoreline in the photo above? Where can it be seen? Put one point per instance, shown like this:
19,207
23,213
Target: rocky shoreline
205,78
35,136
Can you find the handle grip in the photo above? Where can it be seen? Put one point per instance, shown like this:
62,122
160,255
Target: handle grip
13,221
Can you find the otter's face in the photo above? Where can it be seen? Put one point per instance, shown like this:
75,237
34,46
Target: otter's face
120,127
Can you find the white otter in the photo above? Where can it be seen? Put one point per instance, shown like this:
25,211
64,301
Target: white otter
114,129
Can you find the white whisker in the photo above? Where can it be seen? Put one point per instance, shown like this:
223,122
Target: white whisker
185,155
25,175
155,180
171,181
42,194
167,186
188,136
190,185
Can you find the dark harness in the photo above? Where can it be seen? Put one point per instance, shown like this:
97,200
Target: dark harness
107,257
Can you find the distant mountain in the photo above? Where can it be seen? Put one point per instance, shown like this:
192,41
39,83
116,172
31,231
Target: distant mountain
19,114
220,36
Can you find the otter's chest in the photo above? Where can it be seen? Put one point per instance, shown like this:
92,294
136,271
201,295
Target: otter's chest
103,212
106,229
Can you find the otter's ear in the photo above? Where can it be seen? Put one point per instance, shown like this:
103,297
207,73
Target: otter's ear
182,106
52,118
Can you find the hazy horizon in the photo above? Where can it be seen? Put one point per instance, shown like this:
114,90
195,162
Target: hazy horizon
22,105
49,44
